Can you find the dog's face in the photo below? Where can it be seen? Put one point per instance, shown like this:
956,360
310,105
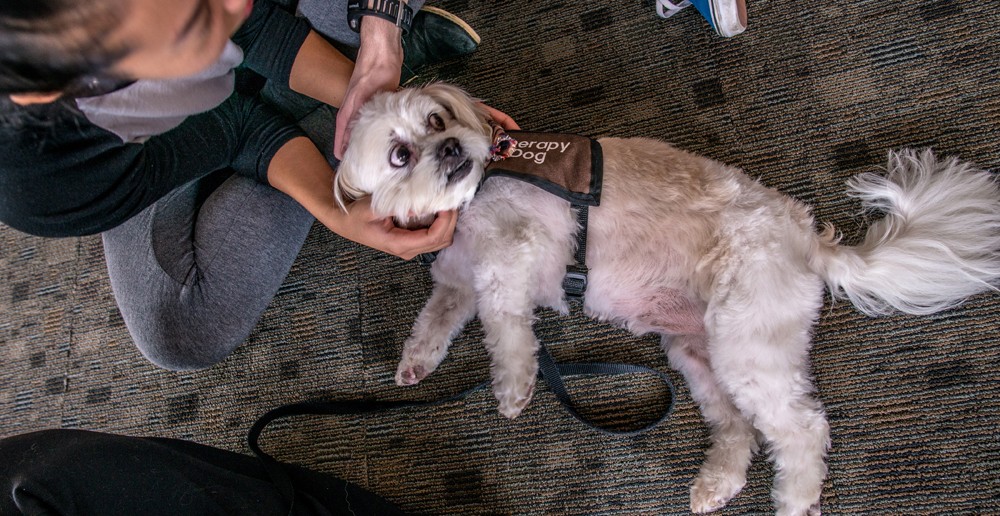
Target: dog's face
415,152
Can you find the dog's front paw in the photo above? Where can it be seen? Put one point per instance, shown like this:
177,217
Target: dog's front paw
420,358
812,510
712,492
514,394
410,374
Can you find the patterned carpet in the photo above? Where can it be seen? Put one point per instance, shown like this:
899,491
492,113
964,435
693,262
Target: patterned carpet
813,93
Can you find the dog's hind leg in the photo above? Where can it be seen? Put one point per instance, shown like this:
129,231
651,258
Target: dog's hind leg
759,349
444,315
796,432
734,439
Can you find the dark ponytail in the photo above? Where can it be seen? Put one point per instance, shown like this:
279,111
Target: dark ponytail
57,45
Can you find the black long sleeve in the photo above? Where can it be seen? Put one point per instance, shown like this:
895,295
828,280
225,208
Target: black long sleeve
61,175
73,178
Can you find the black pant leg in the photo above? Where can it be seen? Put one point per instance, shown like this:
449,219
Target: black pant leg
76,472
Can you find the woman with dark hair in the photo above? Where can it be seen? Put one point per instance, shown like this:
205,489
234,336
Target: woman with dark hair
140,120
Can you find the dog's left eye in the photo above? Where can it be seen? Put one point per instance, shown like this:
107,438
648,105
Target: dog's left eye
435,122
399,156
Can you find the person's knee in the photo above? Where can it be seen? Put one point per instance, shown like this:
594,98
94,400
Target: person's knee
186,349
174,361
189,357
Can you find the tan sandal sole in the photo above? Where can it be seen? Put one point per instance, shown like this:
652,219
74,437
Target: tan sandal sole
456,20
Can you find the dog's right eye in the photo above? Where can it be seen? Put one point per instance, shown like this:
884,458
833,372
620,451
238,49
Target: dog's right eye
399,156
435,122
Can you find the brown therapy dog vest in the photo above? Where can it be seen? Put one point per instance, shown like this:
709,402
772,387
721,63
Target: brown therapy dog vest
567,165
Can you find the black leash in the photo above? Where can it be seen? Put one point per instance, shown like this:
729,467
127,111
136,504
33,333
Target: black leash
548,370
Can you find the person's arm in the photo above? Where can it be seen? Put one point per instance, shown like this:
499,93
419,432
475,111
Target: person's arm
61,175
320,71
66,177
283,48
271,39
378,68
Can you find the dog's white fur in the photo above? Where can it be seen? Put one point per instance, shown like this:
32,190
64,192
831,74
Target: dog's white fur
729,272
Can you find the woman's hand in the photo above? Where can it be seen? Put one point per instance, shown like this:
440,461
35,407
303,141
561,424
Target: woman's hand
501,118
362,226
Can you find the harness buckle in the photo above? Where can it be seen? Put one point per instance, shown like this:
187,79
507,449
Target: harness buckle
427,258
575,282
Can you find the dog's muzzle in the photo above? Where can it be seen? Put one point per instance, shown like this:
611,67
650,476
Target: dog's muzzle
452,160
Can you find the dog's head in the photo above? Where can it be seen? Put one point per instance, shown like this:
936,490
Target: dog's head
416,151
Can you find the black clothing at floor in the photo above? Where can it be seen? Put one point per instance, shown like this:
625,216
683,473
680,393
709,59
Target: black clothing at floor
76,472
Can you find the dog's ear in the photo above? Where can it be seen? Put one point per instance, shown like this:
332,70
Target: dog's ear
343,191
464,108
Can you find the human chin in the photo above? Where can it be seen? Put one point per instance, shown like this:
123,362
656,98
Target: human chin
146,65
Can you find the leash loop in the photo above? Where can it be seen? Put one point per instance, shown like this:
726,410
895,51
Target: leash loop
548,370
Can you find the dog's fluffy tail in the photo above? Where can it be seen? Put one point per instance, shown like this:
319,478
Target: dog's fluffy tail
938,244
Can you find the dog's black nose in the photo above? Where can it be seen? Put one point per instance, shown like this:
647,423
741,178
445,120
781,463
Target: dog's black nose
449,148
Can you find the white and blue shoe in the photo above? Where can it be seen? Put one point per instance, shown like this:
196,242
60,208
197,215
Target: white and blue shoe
727,17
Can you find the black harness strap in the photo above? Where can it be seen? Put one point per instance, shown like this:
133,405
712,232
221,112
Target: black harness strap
575,281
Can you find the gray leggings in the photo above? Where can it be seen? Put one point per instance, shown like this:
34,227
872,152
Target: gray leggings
193,273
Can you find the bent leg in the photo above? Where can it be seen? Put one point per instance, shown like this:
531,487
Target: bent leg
734,441
445,314
759,341
193,273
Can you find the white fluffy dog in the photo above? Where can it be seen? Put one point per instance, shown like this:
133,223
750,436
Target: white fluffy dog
730,273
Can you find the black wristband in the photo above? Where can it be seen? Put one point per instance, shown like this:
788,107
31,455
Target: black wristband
385,9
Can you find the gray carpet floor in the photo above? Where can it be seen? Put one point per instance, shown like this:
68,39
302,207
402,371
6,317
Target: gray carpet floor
811,94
